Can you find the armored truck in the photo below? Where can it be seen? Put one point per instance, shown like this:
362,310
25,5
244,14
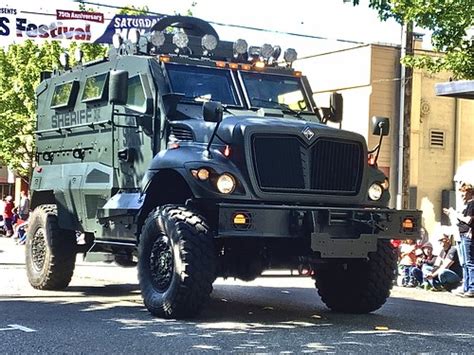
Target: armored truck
194,158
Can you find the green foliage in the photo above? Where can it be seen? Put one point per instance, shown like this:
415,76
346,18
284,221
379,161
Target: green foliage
132,10
20,69
448,20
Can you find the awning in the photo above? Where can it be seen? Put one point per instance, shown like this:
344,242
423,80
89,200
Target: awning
463,89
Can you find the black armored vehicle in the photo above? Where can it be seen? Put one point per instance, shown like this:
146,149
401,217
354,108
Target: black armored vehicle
196,158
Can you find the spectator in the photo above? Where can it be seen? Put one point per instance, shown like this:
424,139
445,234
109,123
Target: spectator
465,246
24,207
407,262
446,272
424,260
8,216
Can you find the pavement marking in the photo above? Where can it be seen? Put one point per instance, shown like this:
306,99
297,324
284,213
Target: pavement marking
18,327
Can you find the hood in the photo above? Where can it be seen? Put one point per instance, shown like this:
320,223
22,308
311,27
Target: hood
233,127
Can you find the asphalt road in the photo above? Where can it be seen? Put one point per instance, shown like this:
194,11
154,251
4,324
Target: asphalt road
102,312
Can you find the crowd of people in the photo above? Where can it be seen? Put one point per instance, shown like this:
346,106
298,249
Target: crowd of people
15,218
453,268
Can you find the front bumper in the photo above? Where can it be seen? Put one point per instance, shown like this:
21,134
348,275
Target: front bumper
335,232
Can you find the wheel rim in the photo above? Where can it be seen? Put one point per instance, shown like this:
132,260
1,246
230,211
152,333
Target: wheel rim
38,249
161,264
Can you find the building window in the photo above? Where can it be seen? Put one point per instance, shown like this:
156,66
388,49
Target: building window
437,138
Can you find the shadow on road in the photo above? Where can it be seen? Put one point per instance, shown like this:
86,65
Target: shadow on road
244,319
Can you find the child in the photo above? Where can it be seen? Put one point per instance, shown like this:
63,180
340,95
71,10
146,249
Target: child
407,262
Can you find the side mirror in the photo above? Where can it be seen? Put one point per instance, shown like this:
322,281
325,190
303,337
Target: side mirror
336,104
212,111
118,87
380,126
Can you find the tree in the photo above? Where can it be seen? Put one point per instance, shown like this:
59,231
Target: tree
449,20
20,68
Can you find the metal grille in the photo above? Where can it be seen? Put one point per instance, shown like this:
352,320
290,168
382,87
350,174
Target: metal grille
278,161
336,166
181,134
284,162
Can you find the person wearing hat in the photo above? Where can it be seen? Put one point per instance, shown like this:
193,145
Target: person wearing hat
8,216
423,263
466,245
446,273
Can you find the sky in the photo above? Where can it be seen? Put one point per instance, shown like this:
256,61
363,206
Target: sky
334,20
339,24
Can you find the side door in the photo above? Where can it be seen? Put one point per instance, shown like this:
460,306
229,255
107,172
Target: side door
133,125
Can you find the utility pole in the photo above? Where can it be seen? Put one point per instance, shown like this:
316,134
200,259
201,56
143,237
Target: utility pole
404,128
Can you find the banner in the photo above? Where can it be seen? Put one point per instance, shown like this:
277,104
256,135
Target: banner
17,25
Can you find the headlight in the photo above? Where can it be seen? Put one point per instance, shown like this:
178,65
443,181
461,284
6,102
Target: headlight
375,192
226,183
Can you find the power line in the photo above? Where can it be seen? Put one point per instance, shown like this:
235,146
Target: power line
235,26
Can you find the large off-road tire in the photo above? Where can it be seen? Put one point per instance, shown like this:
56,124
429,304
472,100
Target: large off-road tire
50,251
360,286
176,262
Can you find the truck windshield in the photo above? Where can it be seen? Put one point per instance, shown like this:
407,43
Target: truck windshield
274,91
203,84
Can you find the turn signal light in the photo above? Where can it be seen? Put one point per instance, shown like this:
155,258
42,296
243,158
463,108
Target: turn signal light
407,223
242,220
239,218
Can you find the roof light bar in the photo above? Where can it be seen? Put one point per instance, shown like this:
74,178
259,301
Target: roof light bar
157,38
209,42
240,47
266,51
117,40
180,40
290,55
134,36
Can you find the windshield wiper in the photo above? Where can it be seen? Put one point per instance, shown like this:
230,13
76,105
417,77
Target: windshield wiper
288,109
278,105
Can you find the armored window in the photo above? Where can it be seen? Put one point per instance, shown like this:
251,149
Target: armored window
64,95
95,88
136,94
274,91
203,84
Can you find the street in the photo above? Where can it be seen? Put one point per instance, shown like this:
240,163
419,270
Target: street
102,312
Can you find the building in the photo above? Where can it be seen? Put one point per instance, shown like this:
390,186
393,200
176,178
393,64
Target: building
6,182
368,76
